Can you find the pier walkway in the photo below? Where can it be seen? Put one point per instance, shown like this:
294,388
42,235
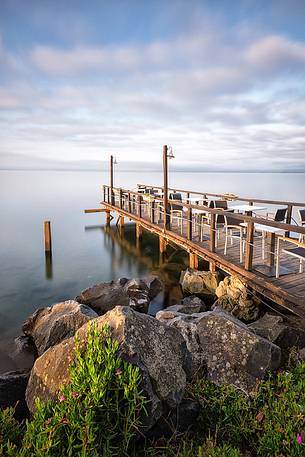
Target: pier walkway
192,222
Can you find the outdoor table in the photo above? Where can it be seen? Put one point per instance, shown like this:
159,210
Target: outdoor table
247,208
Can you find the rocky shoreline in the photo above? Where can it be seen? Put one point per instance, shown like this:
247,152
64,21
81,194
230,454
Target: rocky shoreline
219,330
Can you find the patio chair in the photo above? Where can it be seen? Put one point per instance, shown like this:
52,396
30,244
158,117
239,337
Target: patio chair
176,211
298,251
278,216
234,230
302,222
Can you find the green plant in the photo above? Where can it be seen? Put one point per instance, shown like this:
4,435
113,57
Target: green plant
281,405
10,431
97,414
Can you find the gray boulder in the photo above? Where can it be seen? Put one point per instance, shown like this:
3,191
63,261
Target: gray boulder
201,283
49,326
136,293
224,347
234,297
285,332
12,391
159,352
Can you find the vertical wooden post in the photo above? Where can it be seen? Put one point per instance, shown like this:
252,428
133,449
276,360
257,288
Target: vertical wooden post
189,224
152,211
213,232
47,236
129,203
212,266
104,193
288,217
111,180
249,246
162,244
108,218
140,205
122,221
139,231
120,198
166,218
193,260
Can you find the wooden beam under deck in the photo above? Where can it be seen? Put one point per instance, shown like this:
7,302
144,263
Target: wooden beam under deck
253,279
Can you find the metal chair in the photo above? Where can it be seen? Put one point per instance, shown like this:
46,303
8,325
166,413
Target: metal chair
279,216
302,222
298,251
234,230
176,211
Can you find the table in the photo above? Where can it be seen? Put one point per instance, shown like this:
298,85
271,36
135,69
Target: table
247,208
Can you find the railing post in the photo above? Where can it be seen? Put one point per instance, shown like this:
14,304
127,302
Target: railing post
129,203
121,199
104,193
189,224
288,217
140,206
152,211
249,246
213,232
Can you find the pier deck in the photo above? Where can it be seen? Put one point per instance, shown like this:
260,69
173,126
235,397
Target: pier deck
204,240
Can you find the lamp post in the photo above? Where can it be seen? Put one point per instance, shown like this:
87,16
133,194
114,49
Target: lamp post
167,154
111,177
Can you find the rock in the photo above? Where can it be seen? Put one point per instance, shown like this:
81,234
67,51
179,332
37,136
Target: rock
155,286
225,348
12,392
193,303
159,352
49,326
24,343
201,283
181,419
285,332
136,293
234,297
187,326
104,296
234,355
301,355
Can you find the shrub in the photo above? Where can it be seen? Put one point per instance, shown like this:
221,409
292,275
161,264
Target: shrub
97,414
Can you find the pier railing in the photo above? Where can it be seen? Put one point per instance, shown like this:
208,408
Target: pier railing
150,208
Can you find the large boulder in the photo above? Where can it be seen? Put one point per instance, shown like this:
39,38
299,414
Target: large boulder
285,332
136,293
235,297
159,352
201,283
12,391
49,326
226,348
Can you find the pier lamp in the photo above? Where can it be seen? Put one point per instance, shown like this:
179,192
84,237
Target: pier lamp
167,154
113,161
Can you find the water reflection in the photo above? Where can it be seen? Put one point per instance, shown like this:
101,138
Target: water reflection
48,265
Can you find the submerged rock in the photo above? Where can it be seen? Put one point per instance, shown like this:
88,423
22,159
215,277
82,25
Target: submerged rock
49,326
159,352
234,297
201,283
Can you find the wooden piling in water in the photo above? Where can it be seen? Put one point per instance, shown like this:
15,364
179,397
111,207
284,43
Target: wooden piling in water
47,236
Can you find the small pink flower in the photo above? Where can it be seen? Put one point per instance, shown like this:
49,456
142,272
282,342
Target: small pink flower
75,394
299,438
62,398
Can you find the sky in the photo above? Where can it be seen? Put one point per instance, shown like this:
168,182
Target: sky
222,82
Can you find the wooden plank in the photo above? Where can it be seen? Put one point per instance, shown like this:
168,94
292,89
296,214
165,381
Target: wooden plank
95,210
47,236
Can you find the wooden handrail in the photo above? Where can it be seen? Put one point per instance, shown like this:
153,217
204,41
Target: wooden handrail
257,220
243,199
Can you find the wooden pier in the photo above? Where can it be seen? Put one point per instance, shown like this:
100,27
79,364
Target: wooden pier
195,229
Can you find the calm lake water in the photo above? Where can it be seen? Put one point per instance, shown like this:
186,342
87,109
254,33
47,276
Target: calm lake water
83,254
